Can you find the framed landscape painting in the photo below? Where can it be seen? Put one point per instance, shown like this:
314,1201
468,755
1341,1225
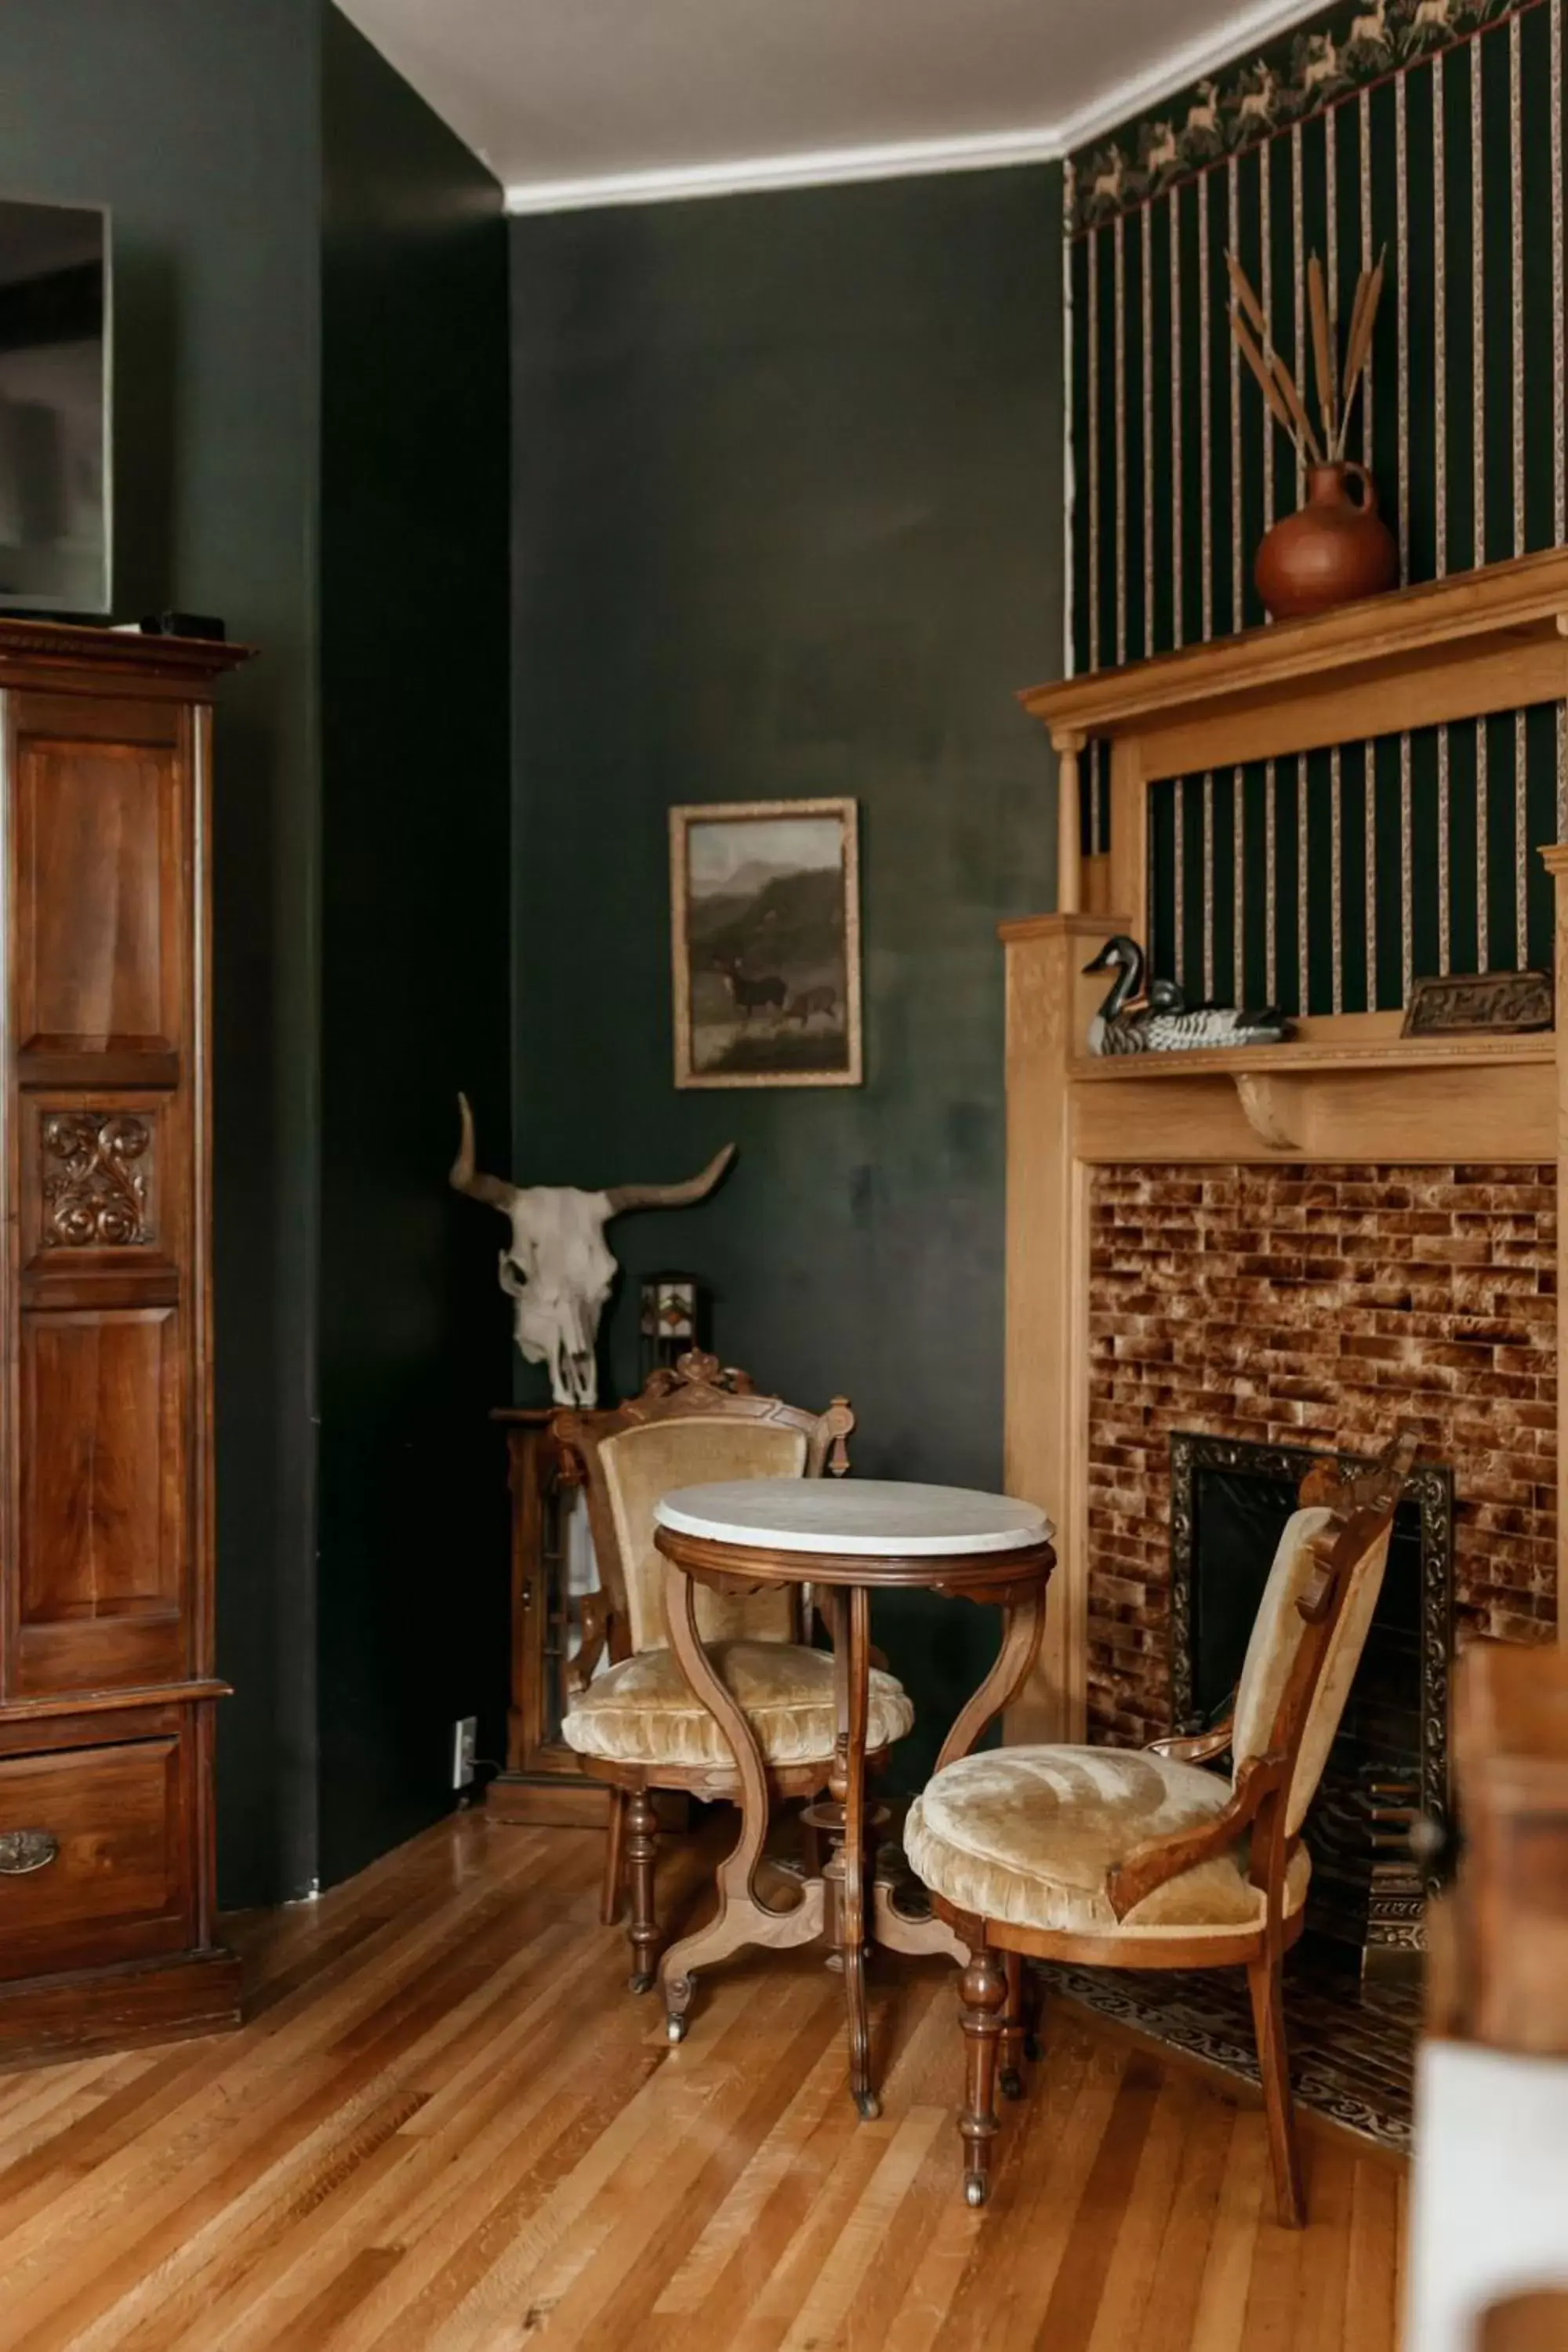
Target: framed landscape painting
765,929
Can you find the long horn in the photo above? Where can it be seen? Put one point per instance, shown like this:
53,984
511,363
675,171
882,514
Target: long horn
464,1177
670,1196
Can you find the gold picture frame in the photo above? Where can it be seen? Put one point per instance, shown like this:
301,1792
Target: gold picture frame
765,943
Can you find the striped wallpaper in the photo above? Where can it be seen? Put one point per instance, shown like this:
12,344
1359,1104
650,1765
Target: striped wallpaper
1433,127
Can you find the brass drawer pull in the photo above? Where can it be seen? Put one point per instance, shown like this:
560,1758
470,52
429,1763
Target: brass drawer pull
25,1850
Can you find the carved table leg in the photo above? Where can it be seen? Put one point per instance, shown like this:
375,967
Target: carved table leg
1022,1629
739,1920
852,1678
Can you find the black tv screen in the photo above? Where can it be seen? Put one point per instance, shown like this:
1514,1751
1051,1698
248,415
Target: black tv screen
53,409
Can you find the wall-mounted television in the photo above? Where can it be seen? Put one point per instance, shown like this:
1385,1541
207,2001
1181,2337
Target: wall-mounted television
55,554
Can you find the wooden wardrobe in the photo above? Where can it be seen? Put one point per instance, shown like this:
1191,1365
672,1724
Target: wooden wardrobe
106,1687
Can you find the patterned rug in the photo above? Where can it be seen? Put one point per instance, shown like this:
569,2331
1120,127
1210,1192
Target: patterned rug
1353,2047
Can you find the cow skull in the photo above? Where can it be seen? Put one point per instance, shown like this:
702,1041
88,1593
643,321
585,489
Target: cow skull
558,1270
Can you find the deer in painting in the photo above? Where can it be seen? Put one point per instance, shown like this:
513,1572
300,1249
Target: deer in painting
808,1002
765,995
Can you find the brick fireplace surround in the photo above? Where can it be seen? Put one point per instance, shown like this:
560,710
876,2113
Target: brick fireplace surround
1309,1305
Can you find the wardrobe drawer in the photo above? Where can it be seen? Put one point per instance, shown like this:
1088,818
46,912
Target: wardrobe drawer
90,1856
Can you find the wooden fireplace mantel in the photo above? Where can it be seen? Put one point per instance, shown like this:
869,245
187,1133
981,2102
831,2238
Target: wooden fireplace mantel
1458,648
1348,1089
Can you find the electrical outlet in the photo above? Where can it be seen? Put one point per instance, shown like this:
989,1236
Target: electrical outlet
465,1740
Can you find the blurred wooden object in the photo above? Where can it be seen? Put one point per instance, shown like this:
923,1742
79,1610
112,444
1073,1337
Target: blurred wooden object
1507,1970
1527,2323
1489,2255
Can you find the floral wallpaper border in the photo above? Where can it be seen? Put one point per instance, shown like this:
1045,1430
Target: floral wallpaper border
1359,45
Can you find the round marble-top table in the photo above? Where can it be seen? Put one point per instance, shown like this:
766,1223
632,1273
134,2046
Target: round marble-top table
847,1541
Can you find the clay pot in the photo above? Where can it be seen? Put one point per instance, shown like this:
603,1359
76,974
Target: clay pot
1336,549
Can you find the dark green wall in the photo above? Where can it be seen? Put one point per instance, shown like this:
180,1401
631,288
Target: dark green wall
310,418
197,122
787,522
415,826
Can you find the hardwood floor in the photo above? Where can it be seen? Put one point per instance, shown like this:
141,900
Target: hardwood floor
447,2127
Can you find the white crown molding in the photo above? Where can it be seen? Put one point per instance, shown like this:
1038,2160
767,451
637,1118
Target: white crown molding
819,168
1238,31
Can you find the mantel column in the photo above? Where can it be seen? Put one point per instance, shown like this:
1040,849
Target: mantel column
1050,1005
1556,863
1069,824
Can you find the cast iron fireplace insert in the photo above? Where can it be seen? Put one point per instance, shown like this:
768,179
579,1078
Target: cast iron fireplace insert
1389,1764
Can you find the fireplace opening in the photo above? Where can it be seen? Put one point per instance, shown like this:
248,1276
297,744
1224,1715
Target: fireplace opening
1229,1504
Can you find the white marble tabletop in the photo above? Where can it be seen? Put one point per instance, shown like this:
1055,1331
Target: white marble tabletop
878,1518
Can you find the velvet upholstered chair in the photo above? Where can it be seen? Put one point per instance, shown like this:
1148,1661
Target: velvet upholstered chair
636,1724
1115,1858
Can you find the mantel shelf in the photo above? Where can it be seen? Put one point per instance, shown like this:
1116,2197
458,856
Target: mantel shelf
1505,611
1378,1056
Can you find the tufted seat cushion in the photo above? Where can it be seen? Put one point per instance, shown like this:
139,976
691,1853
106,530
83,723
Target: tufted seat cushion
644,1711
1028,1834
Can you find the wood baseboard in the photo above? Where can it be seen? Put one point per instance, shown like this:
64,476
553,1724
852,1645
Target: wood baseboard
549,1803
43,2019
535,1801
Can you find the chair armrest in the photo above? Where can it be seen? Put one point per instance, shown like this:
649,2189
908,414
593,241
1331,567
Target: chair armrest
580,1670
1201,1749
1158,1860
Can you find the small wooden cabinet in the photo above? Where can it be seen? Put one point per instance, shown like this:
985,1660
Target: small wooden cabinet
107,1680
543,1782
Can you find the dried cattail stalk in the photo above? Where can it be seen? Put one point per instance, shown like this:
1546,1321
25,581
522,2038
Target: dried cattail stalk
1322,348
1357,307
1307,444
1259,366
1279,388
1246,297
1359,349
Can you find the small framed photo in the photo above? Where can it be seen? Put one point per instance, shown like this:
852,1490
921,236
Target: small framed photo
765,931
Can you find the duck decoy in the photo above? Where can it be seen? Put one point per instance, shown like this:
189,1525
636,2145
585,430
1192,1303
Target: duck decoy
1129,1021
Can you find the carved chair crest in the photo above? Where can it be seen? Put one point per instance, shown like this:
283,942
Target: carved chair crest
697,1388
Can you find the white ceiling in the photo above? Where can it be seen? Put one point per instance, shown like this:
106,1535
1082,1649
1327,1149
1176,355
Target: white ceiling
594,101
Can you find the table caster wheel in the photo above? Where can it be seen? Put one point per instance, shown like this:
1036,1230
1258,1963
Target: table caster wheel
640,1982
1010,2083
675,2029
974,2189
870,2104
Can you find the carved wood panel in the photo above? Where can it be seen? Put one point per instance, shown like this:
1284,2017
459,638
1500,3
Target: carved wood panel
102,1484
99,954
96,1180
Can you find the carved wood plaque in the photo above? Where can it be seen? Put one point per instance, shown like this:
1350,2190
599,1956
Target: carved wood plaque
1460,1004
